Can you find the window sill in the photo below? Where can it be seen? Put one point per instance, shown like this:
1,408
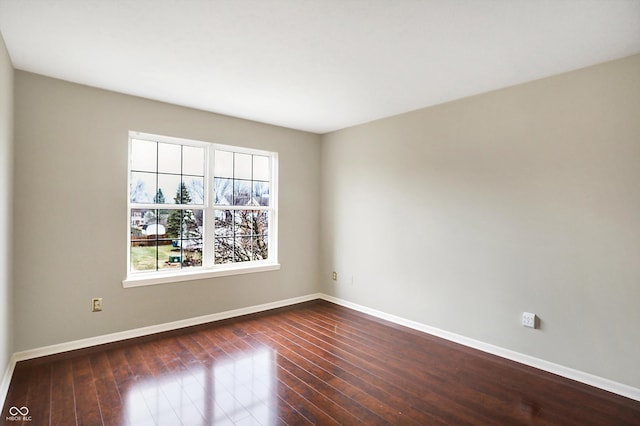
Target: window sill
153,278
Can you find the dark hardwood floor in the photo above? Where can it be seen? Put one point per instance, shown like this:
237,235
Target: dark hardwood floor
315,363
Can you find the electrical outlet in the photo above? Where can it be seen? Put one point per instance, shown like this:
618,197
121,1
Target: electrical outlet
334,276
529,319
96,304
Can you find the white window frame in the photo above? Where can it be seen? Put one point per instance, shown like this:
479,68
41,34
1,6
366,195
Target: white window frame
208,269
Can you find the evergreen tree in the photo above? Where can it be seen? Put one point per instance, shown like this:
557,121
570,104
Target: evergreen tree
159,197
182,223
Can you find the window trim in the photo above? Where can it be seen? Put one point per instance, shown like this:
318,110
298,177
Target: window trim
153,278
212,270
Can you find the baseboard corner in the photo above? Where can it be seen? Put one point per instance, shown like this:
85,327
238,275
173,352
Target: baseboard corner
6,379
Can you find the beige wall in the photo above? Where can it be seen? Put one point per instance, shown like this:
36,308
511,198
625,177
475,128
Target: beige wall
464,215
6,179
71,218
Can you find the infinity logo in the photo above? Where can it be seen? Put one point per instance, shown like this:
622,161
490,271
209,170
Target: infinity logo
14,411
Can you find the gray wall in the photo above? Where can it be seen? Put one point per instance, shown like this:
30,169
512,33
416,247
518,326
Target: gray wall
464,215
6,179
459,216
71,218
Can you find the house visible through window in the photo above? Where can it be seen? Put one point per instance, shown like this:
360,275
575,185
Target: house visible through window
195,206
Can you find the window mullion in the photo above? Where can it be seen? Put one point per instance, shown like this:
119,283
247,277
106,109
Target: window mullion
208,231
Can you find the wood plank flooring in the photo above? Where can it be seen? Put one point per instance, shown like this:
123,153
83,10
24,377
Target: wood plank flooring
315,363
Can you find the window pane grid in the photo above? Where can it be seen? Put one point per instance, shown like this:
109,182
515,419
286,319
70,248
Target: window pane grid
241,179
177,173
241,235
164,235
165,239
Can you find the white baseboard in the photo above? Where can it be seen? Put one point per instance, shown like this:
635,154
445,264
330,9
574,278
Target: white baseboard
560,370
138,332
6,379
145,331
589,379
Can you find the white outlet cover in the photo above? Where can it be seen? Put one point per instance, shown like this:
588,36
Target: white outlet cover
529,319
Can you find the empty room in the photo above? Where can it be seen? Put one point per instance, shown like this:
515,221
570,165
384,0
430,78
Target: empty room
332,212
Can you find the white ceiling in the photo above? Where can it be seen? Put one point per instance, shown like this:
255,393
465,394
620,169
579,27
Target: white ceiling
316,65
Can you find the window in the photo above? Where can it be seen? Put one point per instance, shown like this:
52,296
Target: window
198,210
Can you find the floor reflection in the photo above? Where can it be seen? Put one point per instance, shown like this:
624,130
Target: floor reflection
240,389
